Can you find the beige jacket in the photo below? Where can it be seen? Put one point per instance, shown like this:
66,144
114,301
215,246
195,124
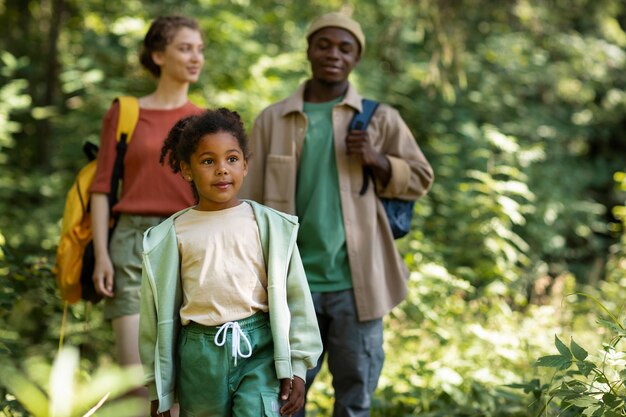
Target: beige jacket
379,276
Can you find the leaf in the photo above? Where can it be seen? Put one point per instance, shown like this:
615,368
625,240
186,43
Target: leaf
576,386
602,379
590,411
531,386
583,401
108,381
612,400
526,387
26,392
610,325
578,352
585,367
122,407
554,361
572,372
564,393
564,350
62,381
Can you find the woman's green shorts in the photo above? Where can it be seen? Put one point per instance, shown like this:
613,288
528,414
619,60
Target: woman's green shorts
125,249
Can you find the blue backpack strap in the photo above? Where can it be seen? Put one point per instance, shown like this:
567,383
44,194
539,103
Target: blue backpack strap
359,122
362,119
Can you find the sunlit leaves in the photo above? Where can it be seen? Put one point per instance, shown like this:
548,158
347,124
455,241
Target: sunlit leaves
596,385
61,391
13,98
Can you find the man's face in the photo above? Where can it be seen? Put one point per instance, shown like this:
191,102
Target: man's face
333,54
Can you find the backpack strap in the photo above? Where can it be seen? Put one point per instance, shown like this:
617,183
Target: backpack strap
359,121
129,114
362,119
126,123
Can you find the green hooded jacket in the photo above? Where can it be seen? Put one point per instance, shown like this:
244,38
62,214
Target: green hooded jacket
297,342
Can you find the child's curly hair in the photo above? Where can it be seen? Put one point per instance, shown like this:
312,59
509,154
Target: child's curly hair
182,140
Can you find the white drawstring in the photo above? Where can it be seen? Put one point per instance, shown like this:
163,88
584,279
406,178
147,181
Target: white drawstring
237,335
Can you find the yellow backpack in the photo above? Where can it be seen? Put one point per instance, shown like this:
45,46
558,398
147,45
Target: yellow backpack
76,235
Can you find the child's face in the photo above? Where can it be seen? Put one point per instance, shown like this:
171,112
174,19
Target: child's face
217,168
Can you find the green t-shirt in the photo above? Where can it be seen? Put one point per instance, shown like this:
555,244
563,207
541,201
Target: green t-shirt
322,238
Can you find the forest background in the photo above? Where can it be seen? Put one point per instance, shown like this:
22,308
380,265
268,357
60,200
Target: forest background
520,106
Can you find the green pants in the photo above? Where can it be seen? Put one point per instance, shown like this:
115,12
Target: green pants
125,249
213,383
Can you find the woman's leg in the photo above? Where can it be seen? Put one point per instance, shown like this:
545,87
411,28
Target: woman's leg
126,330
123,310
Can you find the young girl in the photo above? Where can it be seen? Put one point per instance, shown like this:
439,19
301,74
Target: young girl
173,54
227,323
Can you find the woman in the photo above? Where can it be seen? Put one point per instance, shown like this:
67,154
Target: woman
173,53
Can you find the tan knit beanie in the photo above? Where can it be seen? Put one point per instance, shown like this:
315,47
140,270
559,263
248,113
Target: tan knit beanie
338,20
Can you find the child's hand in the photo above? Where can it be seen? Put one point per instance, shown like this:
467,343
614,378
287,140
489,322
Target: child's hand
154,406
291,391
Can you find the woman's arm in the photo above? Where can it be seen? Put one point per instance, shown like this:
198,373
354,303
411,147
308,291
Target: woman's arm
103,270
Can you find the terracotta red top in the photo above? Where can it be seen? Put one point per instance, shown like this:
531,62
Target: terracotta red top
148,188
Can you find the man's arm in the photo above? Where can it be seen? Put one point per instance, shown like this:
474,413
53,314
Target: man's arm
411,173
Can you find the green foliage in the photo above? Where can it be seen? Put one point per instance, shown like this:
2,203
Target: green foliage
527,117
12,98
616,266
451,354
520,118
31,317
518,106
61,390
584,384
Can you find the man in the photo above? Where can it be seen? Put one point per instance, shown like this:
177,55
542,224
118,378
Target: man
305,162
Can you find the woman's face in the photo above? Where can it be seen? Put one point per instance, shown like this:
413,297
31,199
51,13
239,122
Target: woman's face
182,59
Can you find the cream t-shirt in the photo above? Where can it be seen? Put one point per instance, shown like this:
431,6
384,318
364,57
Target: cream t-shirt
222,266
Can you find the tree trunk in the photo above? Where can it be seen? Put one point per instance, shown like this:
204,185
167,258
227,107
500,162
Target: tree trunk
51,81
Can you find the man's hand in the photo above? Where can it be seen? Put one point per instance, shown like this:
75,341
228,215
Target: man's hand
291,391
358,143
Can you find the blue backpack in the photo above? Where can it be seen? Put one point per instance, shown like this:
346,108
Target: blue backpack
399,212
